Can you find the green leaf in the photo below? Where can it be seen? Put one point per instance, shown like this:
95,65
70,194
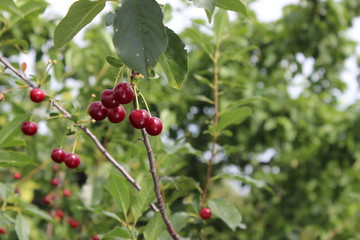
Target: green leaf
115,62
154,227
221,24
36,212
235,116
200,39
13,142
116,233
143,198
10,158
5,191
79,15
10,6
244,179
227,212
9,128
208,5
140,36
179,220
183,185
109,18
174,61
233,5
22,227
119,191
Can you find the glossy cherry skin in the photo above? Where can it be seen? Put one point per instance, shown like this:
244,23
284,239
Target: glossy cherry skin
154,126
123,93
29,128
97,111
72,160
37,95
116,115
108,100
16,175
139,118
58,155
205,213
67,192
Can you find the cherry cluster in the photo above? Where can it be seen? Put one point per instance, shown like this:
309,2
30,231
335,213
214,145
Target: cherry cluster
110,106
71,160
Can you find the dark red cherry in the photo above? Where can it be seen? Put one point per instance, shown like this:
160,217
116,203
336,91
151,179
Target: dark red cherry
123,93
205,213
139,118
29,128
154,126
108,100
72,160
116,115
97,111
37,95
58,155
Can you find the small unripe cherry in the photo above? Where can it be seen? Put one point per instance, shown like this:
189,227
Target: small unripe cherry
16,175
29,128
154,126
67,192
139,118
205,213
37,95
54,182
72,160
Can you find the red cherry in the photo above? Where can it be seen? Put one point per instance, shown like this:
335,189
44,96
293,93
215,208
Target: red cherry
59,214
154,126
29,128
116,115
58,155
54,182
95,237
205,213
72,160
139,118
37,95
123,93
48,198
73,223
2,231
67,192
108,100
16,175
97,111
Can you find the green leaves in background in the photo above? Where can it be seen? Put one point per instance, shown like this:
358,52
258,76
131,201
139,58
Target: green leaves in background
227,213
79,15
235,116
174,61
119,191
22,227
115,62
10,6
36,212
208,5
10,158
233,5
140,36
154,227
8,130
116,233
143,198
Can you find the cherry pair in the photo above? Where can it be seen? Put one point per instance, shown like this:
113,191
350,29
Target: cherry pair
71,160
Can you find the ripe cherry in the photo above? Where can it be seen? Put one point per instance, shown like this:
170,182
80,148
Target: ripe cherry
139,118
73,223
37,95
95,237
205,213
116,115
54,182
2,231
48,198
97,111
154,126
29,128
59,214
72,160
58,155
123,93
108,100
67,192
16,175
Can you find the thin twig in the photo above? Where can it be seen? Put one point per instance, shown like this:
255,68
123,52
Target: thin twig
82,127
155,178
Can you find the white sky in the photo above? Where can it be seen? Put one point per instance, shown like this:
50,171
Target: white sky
182,18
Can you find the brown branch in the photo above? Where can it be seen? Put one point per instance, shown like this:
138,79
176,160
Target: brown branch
155,178
82,127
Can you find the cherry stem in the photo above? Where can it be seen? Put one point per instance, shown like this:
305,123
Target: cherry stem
82,127
74,145
146,105
11,89
136,97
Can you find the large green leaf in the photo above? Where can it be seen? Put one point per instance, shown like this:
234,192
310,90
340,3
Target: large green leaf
233,5
116,233
9,128
22,227
119,191
235,116
10,6
221,24
226,212
154,227
140,35
36,212
10,158
208,5
79,15
5,191
174,61
143,198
